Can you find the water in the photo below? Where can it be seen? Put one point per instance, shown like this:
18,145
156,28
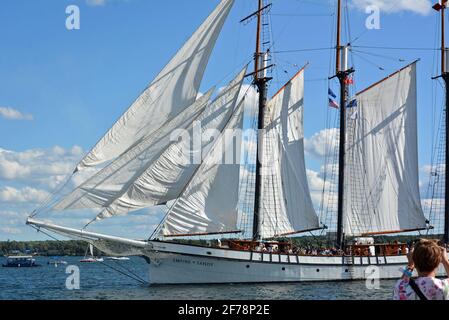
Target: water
99,282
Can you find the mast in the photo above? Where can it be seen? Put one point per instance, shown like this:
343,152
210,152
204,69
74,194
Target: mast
261,84
441,7
445,76
342,73
260,81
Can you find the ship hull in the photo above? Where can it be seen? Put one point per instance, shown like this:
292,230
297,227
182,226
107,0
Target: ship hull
186,264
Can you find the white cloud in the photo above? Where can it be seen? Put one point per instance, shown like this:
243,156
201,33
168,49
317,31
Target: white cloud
10,231
99,3
96,2
321,143
13,114
316,184
392,6
38,164
26,194
28,177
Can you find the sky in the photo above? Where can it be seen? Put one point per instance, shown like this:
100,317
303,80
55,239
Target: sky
61,89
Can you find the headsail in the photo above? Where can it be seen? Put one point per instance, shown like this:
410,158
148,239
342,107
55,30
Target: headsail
174,89
209,204
107,184
154,172
286,205
166,177
382,187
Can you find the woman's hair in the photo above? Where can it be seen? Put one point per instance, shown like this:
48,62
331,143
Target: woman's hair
426,256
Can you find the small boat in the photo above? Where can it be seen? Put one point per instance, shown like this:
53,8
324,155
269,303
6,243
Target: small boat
91,258
20,262
118,258
56,261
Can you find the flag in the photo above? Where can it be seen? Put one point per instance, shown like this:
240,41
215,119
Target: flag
332,96
349,80
333,103
438,6
352,104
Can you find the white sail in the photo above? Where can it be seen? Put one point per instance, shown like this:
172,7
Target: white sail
174,89
209,204
286,205
381,184
106,185
156,170
166,177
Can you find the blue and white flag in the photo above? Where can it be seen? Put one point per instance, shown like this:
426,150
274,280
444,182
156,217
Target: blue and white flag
331,93
332,102
352,104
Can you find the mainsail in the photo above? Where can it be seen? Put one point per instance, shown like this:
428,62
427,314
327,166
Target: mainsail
382,187
286,205
154,171
209,204
174,89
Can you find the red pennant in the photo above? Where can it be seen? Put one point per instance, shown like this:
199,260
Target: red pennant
349,80
437,7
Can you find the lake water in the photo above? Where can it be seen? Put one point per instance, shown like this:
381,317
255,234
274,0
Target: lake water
99,282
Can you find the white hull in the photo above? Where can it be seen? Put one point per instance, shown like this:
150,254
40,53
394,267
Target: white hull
186,264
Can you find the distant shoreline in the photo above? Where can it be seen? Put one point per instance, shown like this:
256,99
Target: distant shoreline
44,248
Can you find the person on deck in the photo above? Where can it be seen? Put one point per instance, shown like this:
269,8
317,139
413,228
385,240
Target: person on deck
426,256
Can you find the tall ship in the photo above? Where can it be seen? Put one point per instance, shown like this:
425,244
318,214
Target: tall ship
246,212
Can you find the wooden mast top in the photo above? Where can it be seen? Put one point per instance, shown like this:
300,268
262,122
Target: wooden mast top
440,6
338,46
257,52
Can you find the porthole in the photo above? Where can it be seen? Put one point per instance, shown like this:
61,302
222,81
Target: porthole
317,270
247,266
346,270
209,253
283,268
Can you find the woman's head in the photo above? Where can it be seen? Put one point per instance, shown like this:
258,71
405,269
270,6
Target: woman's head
426,256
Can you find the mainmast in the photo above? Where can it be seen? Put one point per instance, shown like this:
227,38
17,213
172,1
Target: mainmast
342,73
441,7
260,81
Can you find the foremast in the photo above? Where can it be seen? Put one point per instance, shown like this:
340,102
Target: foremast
441,7
261,83
342,74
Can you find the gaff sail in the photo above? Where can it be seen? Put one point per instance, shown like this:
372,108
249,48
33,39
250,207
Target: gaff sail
381,185
286,205
209,204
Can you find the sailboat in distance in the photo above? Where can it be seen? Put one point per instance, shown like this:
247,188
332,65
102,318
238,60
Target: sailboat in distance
140,165
90,258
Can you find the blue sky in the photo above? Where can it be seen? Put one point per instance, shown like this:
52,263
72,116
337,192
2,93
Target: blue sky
61,89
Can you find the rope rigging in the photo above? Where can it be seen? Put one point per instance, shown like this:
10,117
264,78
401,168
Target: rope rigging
331,120
132,274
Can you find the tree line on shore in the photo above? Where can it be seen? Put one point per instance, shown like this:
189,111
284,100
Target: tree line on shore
44,248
